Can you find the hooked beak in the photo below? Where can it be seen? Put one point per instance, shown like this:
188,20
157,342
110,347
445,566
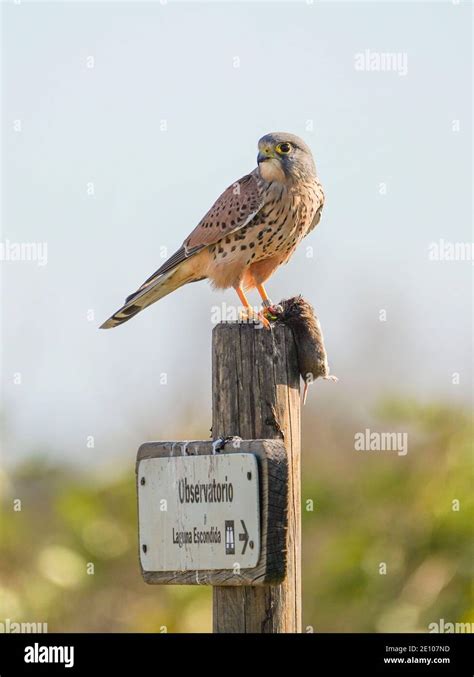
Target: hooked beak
266,154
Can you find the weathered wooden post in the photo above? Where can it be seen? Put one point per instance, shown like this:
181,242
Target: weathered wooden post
256,394
228,514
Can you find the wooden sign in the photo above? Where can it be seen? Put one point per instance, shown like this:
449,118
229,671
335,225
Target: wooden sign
216,518
199,512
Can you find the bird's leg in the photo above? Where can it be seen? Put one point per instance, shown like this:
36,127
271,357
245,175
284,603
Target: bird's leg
249,311
265,298
268,307
244,301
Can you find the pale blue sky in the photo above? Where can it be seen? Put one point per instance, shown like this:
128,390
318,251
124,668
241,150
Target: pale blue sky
175,62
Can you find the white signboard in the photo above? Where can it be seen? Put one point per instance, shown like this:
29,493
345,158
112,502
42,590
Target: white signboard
199,512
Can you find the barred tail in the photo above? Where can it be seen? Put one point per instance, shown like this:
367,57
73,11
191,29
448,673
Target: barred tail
150,292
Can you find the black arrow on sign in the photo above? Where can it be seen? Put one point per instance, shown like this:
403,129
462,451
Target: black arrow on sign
244,536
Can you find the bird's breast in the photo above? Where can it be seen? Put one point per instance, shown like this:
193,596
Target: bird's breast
273,233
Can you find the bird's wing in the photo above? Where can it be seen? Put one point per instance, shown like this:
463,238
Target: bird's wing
178,257
237,205
316,220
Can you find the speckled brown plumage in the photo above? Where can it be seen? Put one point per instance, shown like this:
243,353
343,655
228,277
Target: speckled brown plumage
252,229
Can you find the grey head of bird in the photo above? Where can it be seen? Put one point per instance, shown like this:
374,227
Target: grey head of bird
284,157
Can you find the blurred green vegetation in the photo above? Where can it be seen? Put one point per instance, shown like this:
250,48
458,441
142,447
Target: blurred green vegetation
361,511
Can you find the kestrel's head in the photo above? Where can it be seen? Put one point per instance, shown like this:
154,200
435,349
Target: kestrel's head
283,156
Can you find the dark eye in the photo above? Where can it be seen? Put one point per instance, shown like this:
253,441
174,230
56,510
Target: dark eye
283,148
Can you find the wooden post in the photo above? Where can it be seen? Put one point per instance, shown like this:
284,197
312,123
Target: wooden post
256,394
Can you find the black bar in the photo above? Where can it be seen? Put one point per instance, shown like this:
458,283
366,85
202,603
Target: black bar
316,654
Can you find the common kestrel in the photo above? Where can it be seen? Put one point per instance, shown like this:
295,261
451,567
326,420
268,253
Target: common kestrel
252,228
